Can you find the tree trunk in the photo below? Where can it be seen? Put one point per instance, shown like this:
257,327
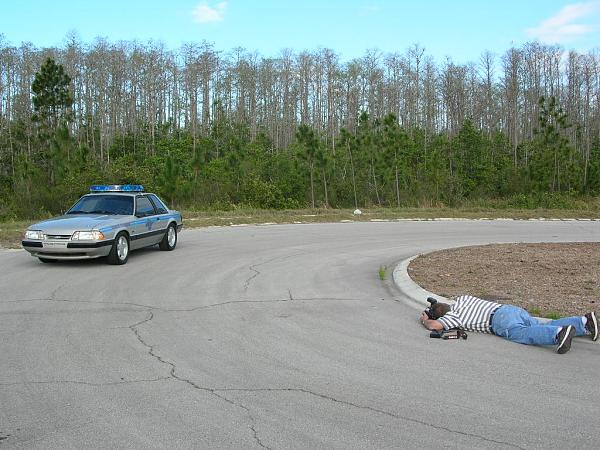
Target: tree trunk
312,187
325,188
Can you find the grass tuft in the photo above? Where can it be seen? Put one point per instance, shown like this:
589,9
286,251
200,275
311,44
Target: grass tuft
553,315
547,315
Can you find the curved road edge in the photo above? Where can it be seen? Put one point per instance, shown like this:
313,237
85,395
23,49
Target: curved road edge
416,295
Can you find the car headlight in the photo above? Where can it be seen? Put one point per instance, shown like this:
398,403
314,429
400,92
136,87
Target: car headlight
87,236
34,234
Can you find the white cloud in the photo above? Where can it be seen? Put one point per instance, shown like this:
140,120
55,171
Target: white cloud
204,13
370,8
564,25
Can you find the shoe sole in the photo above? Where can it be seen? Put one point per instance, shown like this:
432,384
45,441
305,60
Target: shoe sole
565,344
595,331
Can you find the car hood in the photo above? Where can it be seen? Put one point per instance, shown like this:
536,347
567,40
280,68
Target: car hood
67,224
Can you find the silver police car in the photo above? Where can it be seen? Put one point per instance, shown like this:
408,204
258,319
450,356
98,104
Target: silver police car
108,222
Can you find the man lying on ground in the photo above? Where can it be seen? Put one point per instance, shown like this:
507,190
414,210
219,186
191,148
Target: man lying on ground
510,322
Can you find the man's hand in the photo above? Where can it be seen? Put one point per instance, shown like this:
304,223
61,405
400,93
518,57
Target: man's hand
430,324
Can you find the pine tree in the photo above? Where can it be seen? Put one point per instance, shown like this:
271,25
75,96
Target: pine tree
52,98
52,102
168,179
309,143
555,164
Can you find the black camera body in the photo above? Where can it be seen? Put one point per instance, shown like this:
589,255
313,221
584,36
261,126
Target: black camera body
453,333
432,301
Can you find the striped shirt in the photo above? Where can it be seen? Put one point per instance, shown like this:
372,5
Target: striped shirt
469,313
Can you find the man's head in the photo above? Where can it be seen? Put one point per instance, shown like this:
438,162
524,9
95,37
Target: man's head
436,309
439,309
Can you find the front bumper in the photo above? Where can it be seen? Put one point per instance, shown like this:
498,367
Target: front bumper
67,250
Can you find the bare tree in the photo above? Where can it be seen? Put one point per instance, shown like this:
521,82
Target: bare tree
126,88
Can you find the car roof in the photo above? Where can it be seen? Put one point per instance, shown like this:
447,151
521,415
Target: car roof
119,193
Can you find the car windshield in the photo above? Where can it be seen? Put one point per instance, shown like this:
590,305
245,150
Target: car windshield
103,204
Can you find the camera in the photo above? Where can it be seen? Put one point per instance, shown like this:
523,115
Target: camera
454,333
432,301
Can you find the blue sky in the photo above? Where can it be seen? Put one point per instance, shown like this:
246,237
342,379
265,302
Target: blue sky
461,30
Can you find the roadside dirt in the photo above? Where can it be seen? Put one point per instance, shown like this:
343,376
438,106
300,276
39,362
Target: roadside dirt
548,280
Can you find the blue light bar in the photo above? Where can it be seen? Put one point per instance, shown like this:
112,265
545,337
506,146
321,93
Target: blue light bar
117,188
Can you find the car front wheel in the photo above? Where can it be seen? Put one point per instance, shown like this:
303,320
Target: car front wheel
119,252
169,240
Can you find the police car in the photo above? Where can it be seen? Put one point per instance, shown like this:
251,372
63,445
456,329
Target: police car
108,222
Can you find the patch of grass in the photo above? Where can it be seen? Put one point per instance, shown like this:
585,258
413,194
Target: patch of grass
257,216
553,315
10,232
382,270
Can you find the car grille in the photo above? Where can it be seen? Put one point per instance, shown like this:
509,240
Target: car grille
59,237
62,255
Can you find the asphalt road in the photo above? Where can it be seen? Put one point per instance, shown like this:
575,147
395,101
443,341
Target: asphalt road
277,337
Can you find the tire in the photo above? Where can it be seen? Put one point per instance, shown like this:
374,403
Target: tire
119,252
47,260
169,240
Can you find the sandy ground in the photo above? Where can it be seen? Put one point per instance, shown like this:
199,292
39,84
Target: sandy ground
546,279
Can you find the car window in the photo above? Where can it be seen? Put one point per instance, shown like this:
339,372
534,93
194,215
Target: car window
143,207
160,206
103,204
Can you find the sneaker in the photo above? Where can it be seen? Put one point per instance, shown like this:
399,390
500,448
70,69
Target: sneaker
592,325
564,338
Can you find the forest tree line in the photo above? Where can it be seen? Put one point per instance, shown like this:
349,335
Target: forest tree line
212,129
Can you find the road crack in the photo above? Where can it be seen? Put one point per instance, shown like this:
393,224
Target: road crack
375,410
91,302
281,300
85,383
256,273
175,376
220,393
253,267
196,308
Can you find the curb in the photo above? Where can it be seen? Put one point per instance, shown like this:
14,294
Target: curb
417,296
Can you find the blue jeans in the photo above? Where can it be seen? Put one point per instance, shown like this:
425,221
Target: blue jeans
515,324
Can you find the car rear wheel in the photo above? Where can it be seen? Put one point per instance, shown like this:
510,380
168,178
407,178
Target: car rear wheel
119,252
169,240
48,260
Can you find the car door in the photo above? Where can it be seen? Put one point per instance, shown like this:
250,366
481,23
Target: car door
145,231
162,213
